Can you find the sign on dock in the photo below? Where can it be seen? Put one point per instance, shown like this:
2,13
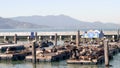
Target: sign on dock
32,36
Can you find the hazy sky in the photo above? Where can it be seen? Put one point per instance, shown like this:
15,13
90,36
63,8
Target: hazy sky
84,10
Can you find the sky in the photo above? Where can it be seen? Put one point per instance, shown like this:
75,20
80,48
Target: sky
83,10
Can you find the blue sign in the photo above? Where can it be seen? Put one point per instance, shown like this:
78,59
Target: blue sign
32,35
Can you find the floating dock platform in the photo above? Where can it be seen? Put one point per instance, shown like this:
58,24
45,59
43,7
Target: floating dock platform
93,61
12,56
49,57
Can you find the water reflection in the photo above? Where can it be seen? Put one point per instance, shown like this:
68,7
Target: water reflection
62,64
107,67
34,65
81,66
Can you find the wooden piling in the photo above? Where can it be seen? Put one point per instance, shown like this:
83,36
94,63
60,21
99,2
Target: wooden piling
39,38
106,52
60,37
71,37
118,34
28,38
33,52
36,36
78,38
50,38
5,39
15,39
56,39
113,38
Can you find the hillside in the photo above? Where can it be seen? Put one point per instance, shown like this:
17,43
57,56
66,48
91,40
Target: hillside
66,22
6,23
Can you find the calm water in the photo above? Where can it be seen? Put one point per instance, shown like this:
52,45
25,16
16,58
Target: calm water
61,64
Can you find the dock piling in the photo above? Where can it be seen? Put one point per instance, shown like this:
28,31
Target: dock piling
71,37
5,39
55,39
39,38
118,34
50,38
60,37
33,52
78,38
15,39
36,36
28,39
106,52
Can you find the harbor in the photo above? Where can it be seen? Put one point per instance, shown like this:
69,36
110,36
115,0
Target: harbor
77,48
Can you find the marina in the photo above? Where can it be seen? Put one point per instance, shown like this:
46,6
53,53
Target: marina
44,48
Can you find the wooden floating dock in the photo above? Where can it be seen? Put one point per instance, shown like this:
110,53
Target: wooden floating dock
12,56
88,59
49,57
63,52
90,52
6,56
93,61
13,52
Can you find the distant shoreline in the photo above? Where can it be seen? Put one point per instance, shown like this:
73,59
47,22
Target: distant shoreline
50,30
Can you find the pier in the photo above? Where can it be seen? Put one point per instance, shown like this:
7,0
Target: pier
76,49
50,35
